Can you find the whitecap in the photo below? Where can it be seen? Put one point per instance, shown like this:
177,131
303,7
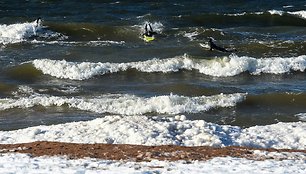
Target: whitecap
301,116
301,14
16,33
128,104
276,12
218,67
20,32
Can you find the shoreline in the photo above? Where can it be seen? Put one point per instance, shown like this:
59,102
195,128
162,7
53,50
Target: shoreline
141,153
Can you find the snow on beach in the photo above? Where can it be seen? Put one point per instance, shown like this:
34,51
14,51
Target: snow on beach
219,67
149,130
23,163
157,131
143,130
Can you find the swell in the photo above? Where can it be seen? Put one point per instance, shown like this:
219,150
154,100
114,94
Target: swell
278,99
259,19
23,72
273,107
89,31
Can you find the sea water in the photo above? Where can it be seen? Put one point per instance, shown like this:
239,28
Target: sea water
87,60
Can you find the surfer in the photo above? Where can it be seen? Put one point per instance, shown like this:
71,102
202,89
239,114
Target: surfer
149,33
38,22
215,47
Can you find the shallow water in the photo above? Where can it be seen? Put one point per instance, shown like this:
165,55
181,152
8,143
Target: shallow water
105,55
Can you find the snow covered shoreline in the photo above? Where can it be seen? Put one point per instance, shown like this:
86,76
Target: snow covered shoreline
143,130
22,163
73,158
119,130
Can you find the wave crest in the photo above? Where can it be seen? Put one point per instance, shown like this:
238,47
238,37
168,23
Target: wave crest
219,67
129,104
15,33
20,32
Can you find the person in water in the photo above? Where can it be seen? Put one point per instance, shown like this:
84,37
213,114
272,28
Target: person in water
213,46
149,33
38,22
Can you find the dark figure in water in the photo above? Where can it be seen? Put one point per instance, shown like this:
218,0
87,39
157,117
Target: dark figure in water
215,47
149,33
38,22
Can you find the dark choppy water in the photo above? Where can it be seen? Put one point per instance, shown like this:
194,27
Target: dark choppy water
87,60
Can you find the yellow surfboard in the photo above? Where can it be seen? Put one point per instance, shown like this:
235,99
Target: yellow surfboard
148,38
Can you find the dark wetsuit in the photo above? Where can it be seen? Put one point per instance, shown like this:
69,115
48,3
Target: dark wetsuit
215,47
38,21
149,33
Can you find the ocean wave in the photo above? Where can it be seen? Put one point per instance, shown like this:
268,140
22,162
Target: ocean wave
129,104
301,116
276,12
20,32
175,130
219,67
156,26
15,33
300,14
280,99
80,43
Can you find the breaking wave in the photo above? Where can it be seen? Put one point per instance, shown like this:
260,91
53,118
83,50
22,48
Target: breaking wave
299,14
20,32
129,104
218,67
16,32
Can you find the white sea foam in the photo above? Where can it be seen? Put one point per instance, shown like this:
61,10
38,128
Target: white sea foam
191,36
23,90
156,26
80,43
21,32
276,12
301,116
219,67
236,14
15,33
301,14
129,104
204,45
176,130
288,6
24,163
